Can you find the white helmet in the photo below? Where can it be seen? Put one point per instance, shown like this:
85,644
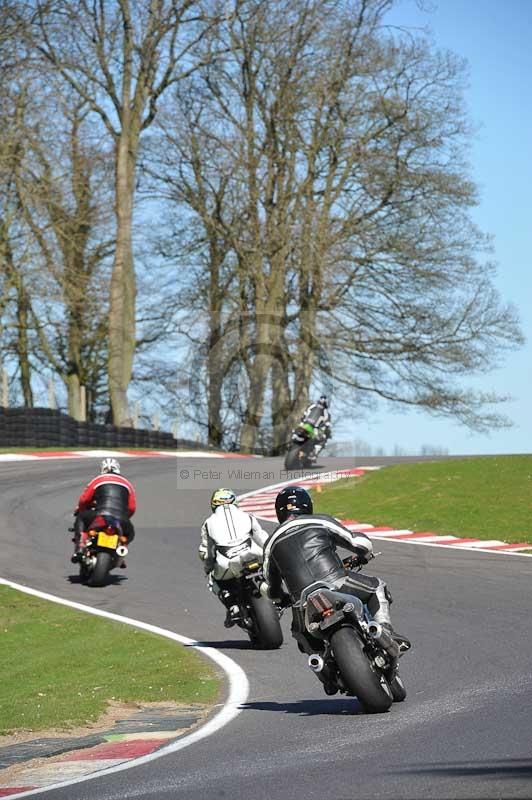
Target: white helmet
110,465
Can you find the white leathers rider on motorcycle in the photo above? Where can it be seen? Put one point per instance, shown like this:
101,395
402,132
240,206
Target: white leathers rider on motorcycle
229,538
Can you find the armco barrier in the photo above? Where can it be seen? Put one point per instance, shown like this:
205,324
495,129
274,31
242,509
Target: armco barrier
46,427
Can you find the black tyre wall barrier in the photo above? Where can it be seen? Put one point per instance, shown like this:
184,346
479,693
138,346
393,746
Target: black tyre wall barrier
46,427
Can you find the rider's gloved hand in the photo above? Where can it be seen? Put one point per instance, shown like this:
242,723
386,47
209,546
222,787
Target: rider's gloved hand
357,560
207,563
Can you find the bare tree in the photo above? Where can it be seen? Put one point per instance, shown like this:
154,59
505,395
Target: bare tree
120,58
55,201
328,163
63,192
15,304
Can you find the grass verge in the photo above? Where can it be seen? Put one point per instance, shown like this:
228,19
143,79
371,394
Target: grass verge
482,498
60,667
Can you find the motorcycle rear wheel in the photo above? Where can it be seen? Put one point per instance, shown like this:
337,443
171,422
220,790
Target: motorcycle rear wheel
358,674
267,633
98,576
291,459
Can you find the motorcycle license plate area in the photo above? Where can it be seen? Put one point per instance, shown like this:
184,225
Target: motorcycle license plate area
332,619
107,540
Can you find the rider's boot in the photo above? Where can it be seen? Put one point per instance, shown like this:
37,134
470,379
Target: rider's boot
78,551
80,540
330,686
230,616
404,643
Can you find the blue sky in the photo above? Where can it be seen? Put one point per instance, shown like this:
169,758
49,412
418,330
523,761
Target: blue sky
495,37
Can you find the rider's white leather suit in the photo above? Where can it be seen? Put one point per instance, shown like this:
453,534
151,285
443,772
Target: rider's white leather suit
229,537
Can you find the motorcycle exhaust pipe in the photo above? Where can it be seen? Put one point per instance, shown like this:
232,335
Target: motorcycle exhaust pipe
315,662
383,638
121,550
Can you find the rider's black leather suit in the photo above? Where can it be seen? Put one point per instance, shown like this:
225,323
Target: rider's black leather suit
111,500
303,550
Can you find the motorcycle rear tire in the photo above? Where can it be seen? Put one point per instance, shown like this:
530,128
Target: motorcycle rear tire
267,633
358,674
292,460
98,576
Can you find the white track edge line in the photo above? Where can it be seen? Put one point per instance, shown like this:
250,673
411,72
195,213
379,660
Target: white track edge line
238,688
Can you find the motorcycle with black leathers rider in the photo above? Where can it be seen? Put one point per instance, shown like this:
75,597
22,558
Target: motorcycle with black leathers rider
340,618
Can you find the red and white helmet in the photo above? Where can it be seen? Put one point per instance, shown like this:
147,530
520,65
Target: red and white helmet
110,466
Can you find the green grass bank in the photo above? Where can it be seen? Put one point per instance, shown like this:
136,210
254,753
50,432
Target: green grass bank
485,498
60,666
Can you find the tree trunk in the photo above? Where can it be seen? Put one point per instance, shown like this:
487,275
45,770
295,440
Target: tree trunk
123,286
73,378
23,349
74,397
257,369
281,402
23,312
215,359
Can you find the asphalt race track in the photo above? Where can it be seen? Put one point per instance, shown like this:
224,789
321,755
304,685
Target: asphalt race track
465,730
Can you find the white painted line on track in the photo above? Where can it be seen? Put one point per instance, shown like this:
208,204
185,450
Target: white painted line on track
238,688
455,548
360,526
480,543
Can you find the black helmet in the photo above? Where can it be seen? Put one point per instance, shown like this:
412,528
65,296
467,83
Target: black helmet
323,401
292,500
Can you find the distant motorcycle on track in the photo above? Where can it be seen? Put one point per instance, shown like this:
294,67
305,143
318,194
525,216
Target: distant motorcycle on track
104,547
304,448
